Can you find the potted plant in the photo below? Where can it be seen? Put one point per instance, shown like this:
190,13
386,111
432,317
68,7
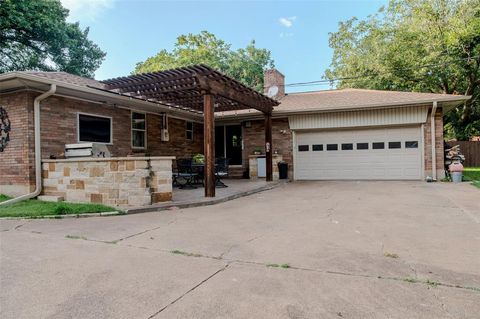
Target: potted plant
198,159
257,151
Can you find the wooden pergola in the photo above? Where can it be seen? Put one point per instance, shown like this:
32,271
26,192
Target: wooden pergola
200,89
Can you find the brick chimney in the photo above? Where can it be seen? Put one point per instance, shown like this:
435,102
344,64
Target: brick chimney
272,78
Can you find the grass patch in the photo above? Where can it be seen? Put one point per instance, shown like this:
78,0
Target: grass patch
4,198
472,174
75,237
432,283
410,280
36,208
285,266
184,253
390,255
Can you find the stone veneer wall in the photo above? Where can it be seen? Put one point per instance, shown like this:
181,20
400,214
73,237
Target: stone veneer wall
253,167
122,181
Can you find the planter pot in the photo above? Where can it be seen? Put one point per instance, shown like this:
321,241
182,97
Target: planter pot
456,177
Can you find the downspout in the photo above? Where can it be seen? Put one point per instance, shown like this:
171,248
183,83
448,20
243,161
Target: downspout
432,131
38,148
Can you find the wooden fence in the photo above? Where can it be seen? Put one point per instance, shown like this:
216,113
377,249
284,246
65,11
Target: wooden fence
470,149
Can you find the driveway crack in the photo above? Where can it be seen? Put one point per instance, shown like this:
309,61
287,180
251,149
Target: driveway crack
190,290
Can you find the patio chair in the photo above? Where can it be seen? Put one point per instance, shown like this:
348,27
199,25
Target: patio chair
221,171
185,176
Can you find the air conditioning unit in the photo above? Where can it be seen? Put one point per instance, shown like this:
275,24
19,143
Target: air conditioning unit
164,136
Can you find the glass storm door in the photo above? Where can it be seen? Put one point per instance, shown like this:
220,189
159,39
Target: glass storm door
228,143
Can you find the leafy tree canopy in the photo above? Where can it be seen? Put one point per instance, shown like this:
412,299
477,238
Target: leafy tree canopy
245,64
34,35
417,45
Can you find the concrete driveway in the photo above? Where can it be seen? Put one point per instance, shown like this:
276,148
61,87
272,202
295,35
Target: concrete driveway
354,250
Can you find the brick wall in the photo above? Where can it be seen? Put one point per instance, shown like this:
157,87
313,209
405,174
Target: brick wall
438,144
59,127
178,145
16,160
254,137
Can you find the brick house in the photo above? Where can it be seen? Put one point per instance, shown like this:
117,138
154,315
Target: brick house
336,134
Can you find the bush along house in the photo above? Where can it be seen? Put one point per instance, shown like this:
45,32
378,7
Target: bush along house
140,124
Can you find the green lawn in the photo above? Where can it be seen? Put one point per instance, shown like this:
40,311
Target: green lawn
472,174
36,208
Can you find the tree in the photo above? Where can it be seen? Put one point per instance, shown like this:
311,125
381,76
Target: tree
415,45
34,35
245,64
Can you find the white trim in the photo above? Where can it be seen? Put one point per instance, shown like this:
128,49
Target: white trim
132,129
94,115
422,136
294,153
187,130
225,142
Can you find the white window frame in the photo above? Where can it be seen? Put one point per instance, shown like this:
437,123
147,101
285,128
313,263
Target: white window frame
94,115
136,129
187,130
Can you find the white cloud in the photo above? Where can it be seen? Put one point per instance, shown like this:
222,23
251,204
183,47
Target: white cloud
287,22
286,34
86,9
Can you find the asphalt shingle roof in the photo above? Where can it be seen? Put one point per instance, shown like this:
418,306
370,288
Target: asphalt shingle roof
351,98
67,78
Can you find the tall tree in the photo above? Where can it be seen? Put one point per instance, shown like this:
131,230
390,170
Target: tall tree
418,45
245,64
34,35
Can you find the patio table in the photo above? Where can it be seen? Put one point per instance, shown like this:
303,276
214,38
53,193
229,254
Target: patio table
200,170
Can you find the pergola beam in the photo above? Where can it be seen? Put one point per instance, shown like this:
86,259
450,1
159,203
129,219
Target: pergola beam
244,98
199,88
209,144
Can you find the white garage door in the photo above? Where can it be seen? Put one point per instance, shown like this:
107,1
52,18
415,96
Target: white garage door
382,153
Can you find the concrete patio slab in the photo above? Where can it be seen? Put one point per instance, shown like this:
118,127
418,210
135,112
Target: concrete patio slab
246,291
46,276
355,250
195,197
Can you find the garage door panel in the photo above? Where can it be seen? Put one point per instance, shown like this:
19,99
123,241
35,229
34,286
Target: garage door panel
386,163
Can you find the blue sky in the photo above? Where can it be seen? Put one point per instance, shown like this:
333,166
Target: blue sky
296,32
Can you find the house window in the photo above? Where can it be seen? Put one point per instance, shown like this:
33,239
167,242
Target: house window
317,147
411,144
139,130
394,145
189,131
378,145
362,146
94,128
347,147
332,147
303,148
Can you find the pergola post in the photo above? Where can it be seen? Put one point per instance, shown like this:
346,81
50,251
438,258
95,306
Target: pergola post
209,143
268,146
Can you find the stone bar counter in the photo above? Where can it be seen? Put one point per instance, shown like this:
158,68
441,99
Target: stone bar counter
115,181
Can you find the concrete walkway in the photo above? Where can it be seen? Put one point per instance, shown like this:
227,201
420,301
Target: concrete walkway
353,250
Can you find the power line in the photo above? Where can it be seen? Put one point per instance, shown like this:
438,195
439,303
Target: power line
330,81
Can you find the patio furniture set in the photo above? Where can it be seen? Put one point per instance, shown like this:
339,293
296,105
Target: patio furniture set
189,174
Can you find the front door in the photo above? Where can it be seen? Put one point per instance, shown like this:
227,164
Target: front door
228,143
